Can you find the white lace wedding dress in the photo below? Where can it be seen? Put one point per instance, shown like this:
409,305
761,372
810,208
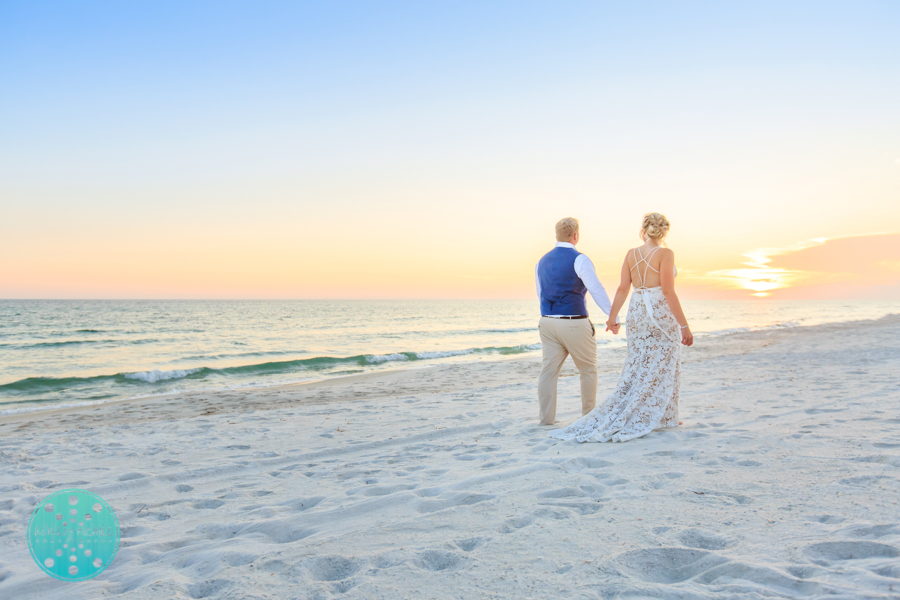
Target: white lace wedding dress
646,397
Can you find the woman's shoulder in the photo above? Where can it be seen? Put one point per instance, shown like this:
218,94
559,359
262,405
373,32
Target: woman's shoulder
666,256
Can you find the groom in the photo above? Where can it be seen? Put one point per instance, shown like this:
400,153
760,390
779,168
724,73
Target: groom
563,277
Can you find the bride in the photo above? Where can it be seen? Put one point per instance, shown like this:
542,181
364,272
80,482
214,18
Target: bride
646,397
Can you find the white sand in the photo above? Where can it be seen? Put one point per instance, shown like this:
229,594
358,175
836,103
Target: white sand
438,483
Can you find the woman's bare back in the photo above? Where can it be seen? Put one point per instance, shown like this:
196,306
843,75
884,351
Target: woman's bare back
644,264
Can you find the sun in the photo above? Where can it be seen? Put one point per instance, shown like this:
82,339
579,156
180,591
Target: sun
758,277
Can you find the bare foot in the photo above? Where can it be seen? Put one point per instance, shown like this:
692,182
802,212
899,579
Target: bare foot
681,422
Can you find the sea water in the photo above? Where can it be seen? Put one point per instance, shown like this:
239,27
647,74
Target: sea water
70,352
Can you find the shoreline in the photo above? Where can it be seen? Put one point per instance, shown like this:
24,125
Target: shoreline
393,374
24,406
168,397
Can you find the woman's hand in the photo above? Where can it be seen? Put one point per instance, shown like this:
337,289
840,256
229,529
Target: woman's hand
687,338
611,325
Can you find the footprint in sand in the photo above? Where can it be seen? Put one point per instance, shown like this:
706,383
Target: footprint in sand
209,503
542,446
302,504
438,560
208,588
515,523
882,459
666,565
720,497
673,453
450,500
280,532
826,553
470,544
238,559
874,531
702,539
565,492
581,508
675,565
662,480
331,568
584,462
768,582
828,519
805,571
865,480
381,490
892,571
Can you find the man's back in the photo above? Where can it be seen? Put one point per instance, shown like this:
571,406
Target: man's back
561,289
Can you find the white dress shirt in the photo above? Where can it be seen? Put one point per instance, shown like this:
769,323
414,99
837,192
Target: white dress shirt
584,268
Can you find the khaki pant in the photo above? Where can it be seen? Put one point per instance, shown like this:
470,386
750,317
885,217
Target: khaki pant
559,339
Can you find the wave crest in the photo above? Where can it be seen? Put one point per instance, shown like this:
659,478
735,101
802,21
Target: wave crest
157,375
330,365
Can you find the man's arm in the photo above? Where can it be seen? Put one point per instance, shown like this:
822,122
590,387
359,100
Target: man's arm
537,281
584,268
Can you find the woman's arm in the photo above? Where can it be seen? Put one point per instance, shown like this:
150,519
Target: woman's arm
619,300
667,281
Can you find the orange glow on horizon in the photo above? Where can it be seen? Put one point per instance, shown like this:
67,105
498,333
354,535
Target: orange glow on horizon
818,267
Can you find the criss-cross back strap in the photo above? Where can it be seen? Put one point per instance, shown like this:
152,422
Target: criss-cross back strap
646,261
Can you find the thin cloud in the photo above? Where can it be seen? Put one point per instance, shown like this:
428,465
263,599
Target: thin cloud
760,276
860,260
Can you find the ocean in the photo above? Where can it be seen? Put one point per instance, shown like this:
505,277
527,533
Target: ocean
56,353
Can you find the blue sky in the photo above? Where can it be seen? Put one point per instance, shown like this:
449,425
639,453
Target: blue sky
241,115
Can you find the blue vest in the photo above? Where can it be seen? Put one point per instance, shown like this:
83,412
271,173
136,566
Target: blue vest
562,291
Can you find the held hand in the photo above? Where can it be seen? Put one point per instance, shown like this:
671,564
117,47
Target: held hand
611,325
687,338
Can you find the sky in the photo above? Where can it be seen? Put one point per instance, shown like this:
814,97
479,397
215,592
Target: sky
426,149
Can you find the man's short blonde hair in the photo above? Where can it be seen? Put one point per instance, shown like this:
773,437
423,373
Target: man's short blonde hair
566,228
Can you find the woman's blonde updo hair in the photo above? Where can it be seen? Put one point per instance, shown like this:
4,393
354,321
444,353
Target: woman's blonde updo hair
655,225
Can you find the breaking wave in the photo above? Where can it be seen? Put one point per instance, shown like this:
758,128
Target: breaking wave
32,386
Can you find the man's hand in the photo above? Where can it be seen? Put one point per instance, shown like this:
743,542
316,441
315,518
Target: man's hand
611,325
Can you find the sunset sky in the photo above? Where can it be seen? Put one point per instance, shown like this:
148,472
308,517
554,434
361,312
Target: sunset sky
426,149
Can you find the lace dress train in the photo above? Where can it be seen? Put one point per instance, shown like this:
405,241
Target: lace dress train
646,397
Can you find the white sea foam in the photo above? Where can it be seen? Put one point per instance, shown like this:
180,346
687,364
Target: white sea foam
435,354
157,375
444,354
380,358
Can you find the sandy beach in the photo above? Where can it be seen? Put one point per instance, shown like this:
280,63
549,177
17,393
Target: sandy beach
438,483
